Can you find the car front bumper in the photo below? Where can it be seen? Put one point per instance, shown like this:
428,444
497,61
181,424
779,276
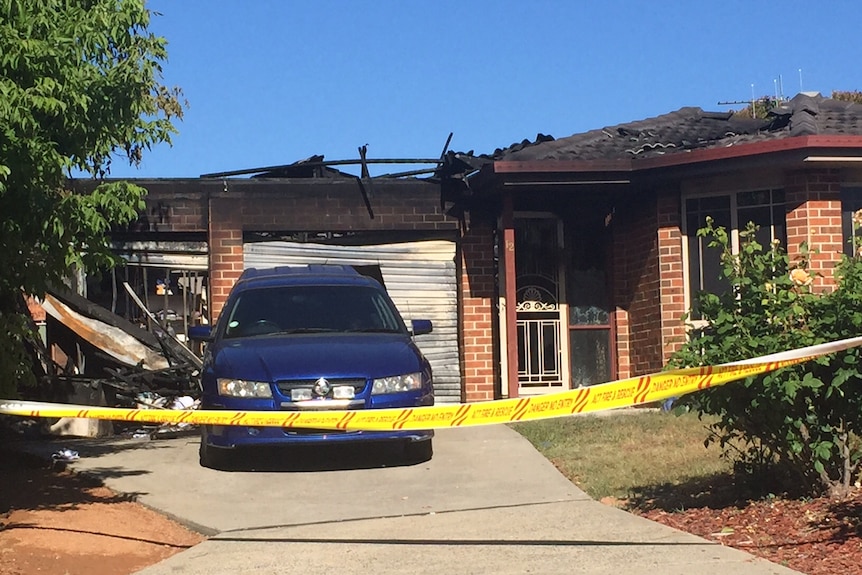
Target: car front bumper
232,436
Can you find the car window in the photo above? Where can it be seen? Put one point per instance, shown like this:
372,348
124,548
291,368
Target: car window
304,309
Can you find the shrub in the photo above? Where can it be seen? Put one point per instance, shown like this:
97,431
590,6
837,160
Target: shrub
802,422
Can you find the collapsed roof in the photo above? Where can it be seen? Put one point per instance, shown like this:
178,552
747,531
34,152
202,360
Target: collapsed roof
137,360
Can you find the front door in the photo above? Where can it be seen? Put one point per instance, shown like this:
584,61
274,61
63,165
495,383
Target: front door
541,326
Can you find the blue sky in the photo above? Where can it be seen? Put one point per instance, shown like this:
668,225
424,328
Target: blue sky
271,82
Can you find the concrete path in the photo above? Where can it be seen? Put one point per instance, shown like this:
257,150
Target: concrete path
487,502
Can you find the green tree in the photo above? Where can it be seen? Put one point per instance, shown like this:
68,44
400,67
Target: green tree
800,423
759,108
80,86
847,96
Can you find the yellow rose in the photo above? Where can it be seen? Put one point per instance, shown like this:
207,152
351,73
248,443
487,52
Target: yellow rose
800,277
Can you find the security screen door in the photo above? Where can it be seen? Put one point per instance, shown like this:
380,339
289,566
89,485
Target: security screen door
542,347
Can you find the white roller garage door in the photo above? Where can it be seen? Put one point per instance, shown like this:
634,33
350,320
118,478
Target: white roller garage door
419,276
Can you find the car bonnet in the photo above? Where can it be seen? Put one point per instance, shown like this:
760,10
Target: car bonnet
317,355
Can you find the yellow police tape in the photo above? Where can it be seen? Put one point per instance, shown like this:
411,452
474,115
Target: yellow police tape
622,393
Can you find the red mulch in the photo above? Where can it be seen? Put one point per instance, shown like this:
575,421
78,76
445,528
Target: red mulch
816,536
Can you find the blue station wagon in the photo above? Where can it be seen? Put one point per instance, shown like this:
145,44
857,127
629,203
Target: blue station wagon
309,338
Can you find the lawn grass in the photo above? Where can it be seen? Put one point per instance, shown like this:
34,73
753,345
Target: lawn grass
626,454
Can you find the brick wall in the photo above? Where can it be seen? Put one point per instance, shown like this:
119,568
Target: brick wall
340,207
672,280
621,295
176,206
225,250
477,304
226,209
622,332
637,288
814,217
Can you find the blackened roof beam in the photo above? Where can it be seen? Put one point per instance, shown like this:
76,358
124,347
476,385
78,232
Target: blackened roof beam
314,162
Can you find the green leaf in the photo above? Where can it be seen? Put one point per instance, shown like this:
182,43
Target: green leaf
76,85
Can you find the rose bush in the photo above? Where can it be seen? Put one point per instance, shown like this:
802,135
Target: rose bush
801,423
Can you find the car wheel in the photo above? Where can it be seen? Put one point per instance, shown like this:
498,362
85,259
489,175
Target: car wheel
419,450
213,457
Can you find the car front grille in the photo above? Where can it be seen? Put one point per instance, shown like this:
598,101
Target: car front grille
285,386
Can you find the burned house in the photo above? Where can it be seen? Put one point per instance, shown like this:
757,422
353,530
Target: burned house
547,265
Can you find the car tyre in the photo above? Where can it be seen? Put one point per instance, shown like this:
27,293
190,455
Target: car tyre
419,451
213,457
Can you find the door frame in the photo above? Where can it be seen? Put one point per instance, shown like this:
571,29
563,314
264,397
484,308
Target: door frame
508,313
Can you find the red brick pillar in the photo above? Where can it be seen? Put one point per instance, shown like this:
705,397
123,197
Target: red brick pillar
225,250
477,287
672,280
637,292
814,218
620,314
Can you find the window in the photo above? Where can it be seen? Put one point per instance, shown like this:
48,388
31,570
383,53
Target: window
851,202
311,308
733,212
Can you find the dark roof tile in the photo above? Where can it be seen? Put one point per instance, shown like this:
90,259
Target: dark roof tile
692,128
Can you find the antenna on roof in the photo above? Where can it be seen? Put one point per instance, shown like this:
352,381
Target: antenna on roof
753,108
800,80
779,88
752,103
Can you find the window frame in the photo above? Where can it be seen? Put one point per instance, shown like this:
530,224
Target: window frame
734,231
850,194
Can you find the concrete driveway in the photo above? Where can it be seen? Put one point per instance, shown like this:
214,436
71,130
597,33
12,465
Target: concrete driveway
487,502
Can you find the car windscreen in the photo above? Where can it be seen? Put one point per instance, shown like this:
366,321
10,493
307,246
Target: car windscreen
309,309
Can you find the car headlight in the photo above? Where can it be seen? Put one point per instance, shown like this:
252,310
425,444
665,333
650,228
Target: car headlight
242,388
396,383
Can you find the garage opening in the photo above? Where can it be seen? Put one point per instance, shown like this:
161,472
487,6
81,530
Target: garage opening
420,277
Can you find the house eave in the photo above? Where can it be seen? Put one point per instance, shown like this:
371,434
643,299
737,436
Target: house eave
561,166
851,144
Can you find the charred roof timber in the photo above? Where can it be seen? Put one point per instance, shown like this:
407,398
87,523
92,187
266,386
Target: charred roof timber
450,170
317,167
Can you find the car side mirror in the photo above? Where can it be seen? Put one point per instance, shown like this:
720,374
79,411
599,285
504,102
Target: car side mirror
421,326
201,333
